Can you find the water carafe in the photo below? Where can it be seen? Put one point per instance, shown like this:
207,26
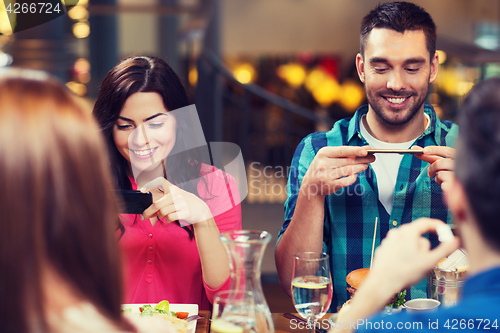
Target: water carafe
245,249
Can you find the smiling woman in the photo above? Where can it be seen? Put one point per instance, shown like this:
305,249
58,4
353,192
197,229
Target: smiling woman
143,111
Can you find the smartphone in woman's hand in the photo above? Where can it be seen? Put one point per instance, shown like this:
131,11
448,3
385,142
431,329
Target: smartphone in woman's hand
133,202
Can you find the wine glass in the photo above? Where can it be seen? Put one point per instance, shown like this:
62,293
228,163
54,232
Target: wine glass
311,286
233,312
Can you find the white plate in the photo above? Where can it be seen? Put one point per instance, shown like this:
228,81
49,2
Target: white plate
333,317
191,308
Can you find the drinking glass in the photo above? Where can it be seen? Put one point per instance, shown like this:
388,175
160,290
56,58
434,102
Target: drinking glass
233,312
311,286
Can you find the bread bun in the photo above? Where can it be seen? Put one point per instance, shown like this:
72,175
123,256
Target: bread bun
356,277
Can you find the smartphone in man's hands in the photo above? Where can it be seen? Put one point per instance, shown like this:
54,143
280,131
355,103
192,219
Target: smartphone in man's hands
133,202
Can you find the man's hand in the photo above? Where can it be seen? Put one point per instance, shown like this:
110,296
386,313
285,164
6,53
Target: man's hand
404,256
442,163
334,168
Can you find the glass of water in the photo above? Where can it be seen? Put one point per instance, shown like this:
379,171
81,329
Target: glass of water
311,286
233,312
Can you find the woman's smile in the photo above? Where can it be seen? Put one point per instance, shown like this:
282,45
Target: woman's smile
145,153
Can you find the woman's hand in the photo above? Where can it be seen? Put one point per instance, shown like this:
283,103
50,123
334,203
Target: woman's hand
402,259
405,256
172,203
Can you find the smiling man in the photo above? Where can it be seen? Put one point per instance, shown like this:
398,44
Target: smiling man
338,193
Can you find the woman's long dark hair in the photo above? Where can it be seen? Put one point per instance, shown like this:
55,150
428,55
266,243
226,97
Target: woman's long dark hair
147,74
57,205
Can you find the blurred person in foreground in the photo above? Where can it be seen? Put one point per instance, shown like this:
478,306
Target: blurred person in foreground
60,265
172,250
336,190
474,193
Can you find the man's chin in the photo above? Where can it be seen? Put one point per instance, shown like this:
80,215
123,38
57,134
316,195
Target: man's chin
395,117
396,121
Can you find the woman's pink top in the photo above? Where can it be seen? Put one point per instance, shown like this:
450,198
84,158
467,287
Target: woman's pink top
162,263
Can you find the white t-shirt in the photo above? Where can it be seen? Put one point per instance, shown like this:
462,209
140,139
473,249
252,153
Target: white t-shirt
386,166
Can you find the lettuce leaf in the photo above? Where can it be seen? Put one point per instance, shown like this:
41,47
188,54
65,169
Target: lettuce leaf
400,300
148,310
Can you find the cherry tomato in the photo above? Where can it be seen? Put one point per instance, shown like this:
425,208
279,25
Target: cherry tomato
182,315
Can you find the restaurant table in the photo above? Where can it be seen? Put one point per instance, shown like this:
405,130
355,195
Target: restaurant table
283,324
203,325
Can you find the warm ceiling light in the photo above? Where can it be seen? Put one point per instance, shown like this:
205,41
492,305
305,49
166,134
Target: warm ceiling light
82,65
193,76
326,92
352,95
244,73
5,27
78,13
314,78
462,88
81,29
293,73
75,2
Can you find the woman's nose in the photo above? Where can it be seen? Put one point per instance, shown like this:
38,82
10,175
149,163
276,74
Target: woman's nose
138,138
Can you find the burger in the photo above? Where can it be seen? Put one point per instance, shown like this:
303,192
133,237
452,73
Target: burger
356,278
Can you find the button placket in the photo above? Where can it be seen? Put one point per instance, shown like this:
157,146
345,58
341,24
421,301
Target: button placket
150,252
150,258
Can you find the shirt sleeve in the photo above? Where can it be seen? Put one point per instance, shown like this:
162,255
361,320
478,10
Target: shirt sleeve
222,197
302,159
211,292
224,203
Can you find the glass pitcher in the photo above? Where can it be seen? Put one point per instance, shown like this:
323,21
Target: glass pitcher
245,249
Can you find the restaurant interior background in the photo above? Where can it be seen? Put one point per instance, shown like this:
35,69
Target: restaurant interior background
263,73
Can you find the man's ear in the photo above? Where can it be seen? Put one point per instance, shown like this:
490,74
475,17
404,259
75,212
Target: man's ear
434,67
456,199
360,67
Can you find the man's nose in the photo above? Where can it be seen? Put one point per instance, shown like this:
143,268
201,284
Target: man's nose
138,138
396,82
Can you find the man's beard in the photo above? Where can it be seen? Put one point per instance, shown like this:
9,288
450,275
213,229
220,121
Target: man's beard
403,116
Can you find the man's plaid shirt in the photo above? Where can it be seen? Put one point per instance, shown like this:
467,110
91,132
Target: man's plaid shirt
350,212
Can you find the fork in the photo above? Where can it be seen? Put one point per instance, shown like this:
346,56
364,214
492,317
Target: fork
196,317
